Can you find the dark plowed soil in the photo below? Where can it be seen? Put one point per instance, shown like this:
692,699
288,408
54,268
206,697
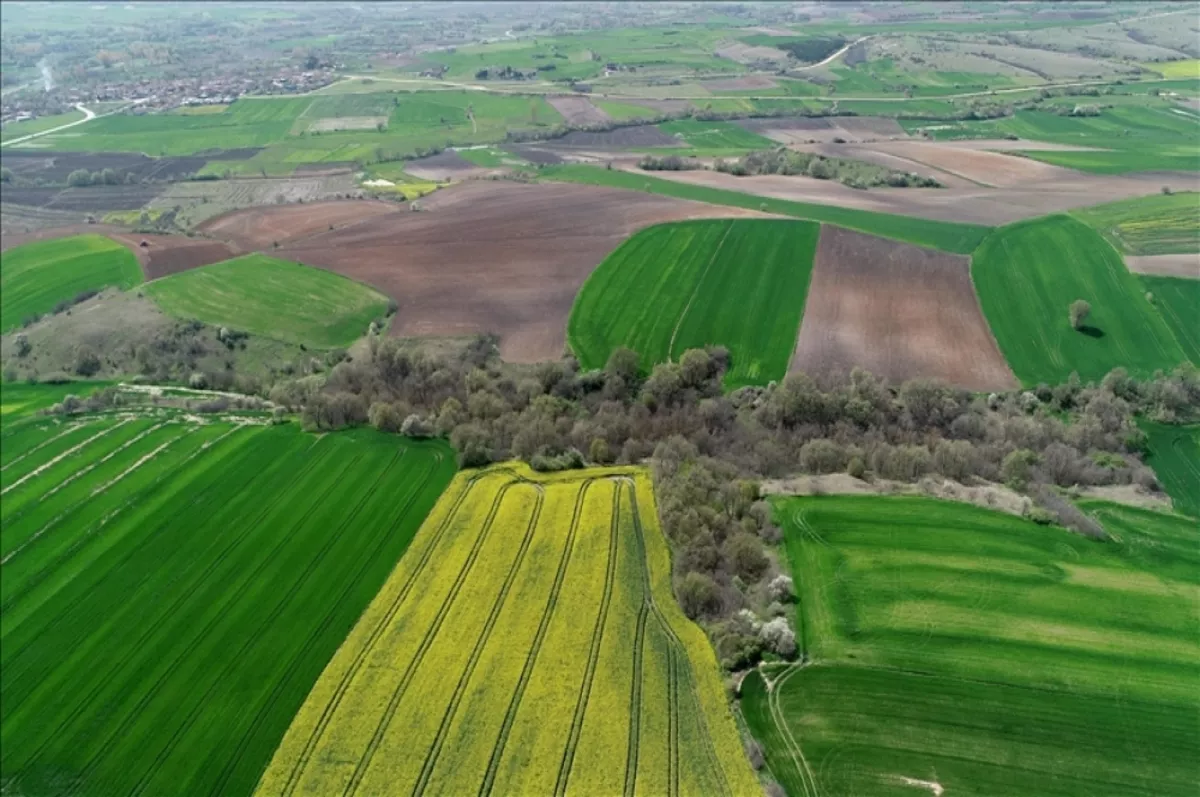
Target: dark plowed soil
897,310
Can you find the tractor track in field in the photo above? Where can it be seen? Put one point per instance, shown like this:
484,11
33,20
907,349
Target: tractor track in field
153,629
401,689
460,688
70,428
226,773
74,449
510,715
348,677
37,577
99,490
568,757
280,606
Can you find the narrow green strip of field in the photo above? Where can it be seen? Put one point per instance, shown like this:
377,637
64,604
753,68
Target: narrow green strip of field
174,592
1175,457
274,298
1161,224
35,277
1027,276
737,283
948,647
947,236
1178,301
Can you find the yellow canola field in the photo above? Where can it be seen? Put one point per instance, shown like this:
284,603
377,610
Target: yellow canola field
527,643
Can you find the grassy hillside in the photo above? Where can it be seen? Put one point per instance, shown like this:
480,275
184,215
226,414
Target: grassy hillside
956,647
947,236
737,283
533,646
1161,224
172,591
273,298
1027,275
1175,457
1178,301
37,276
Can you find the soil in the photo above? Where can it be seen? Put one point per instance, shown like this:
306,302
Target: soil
491,256
446,165
1165,265
578,111
259,228
897,310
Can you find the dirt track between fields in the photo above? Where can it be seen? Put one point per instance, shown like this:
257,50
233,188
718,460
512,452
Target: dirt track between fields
493,256
899,311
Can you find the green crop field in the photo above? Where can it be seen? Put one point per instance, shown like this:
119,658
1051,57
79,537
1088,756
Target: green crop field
35,277
947,236
1175,457
948,647
672,287
1160,224
1027,275
172,590
716,135
529,643
1178,301
273,298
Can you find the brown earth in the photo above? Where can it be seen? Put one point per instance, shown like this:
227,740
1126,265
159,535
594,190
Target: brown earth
1165,265
973,204
493,256
897,310
170,254
259,228
578,110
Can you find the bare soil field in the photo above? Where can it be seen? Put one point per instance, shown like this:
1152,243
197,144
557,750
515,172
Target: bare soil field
259,228
446,165
974,204
746,83
160,255
897,310
1165,265
619,139
93,199
54,167
851,129
578,110
492,256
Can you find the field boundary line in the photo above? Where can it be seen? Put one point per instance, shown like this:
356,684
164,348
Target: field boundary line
180,600
280,606
568,757
46,465
696,290
70,428
435,750
226,773
30,583
364,761
531,658
385,622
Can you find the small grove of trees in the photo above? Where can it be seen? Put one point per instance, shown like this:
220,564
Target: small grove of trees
1078,313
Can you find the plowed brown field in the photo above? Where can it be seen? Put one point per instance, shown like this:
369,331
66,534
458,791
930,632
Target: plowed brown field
897,310
492,256
260,227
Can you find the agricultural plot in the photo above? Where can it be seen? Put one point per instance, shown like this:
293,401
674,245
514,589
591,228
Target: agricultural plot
1027,275
952,648
529,643
35,277
172,590
1178,302
738,283
1175,457
273,298
1160,224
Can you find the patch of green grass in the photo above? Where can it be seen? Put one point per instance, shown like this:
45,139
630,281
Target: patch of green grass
739,284
273,298
1161,224
716,135
1174,453
1178,301
1028,274
982,653
172,591
35,277
943,235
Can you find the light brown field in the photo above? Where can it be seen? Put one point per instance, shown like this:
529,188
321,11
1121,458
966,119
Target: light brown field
259,228
1165,265
897,310
578,110
491,256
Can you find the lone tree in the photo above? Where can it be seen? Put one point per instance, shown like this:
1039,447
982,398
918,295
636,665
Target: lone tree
1079,313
